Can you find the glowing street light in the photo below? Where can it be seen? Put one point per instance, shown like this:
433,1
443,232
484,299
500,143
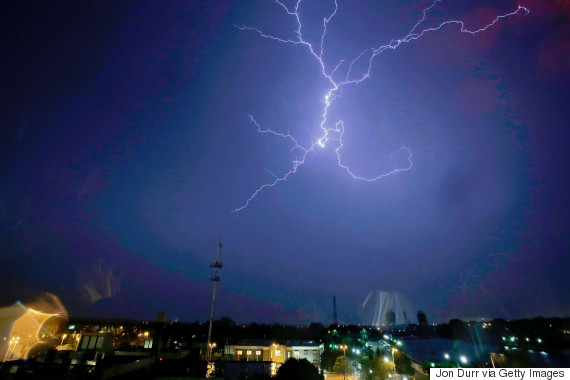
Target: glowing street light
446,356
343,347
394,349
463,359
211,347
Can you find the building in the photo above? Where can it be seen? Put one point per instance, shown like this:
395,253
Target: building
305,350
98,343
422,320
390,318
259,351
266,351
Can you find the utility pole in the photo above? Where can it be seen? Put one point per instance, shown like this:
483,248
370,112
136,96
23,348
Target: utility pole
216,266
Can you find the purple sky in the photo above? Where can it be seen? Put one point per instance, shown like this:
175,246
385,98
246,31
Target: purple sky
126,144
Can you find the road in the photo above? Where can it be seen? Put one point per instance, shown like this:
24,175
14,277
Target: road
339,376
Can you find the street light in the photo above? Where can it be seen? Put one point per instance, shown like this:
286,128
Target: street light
210,349
343,347
394,349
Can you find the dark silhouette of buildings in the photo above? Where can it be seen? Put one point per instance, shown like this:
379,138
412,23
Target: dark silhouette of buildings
422,320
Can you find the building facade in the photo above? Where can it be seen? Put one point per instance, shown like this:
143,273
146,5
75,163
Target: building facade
274,352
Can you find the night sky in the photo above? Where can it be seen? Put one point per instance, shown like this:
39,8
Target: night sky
126,144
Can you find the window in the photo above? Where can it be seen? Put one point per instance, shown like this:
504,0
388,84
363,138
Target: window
240,352
306,352
92,342
249,352
258,352
277,352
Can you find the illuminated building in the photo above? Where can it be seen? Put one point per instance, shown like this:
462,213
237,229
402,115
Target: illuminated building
276,353
269,352
306,350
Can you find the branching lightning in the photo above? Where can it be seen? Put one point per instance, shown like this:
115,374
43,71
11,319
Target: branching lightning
336,132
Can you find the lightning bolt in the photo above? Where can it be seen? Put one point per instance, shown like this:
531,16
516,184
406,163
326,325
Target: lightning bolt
336,132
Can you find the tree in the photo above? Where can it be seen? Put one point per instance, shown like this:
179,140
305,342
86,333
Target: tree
403,364
377,368
298,370
328,359
517,359
341,365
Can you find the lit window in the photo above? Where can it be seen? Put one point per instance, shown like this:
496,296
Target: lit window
258,352
277,352
239,352
248,352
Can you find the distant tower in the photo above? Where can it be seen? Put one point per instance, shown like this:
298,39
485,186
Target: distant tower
391,318
335,317
407,321
422,320
216,265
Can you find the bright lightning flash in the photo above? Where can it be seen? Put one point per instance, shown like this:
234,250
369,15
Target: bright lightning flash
336,132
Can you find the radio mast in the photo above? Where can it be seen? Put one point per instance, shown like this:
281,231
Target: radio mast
216,266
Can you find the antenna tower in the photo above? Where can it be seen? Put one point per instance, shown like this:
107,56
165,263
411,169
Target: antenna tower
216,266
